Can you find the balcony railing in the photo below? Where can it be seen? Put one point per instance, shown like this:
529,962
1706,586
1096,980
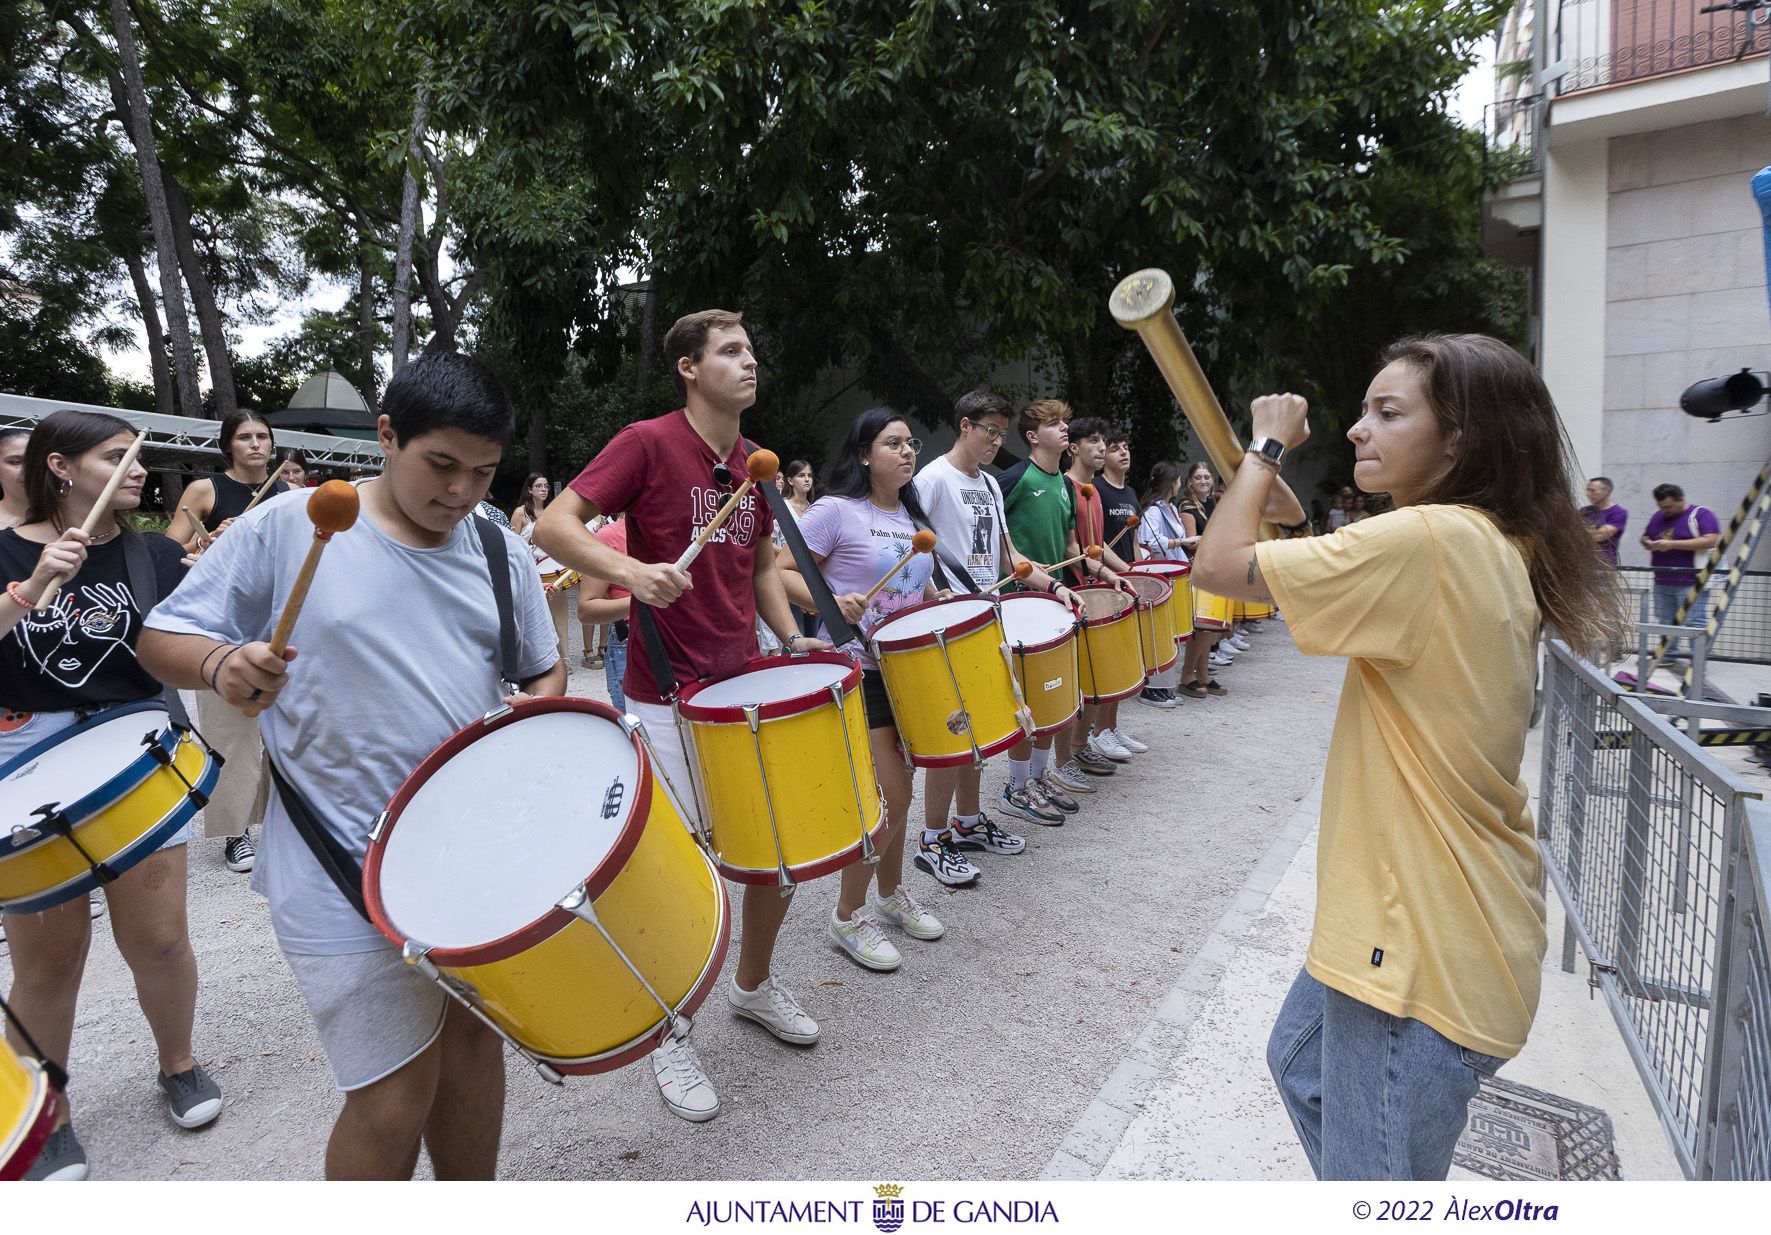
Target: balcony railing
1609,42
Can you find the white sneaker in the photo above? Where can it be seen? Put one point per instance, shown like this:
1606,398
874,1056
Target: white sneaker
863,941
1220,662
1130,743
903,911
770,1006
1103,744
1238,642
681,1083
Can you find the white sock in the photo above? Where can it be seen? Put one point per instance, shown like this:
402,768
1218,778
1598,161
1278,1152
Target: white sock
931,835
1018,771
969,821
1041,761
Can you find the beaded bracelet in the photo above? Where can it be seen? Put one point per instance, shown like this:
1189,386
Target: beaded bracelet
19,597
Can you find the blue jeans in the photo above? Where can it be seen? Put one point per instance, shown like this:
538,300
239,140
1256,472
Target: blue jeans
1372,1096
1666,605
614,669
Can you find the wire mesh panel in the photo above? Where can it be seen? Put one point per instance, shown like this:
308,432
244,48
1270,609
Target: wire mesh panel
1743,1137
1638,828
1745,635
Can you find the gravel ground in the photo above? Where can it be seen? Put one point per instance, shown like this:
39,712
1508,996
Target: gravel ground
972,1061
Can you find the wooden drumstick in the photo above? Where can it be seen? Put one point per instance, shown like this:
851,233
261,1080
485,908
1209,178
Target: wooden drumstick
203,538
1131,521
922,542
761,468
262,490
1021,572
102,505
570,579
333,509
1093,551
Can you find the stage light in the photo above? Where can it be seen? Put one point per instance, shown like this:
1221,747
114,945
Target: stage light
1715,397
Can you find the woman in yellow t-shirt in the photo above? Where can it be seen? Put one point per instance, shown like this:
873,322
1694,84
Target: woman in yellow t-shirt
1422,972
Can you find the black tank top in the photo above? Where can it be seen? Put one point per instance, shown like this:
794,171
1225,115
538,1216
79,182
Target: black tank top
232,497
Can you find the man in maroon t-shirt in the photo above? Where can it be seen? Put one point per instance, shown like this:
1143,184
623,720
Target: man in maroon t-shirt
670,477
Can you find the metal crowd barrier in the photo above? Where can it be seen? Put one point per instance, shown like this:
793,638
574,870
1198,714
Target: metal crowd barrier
1648,842
1745,636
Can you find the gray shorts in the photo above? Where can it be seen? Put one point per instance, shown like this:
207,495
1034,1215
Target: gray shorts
375,1013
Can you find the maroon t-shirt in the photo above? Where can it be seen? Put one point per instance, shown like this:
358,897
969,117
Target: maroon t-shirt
660,473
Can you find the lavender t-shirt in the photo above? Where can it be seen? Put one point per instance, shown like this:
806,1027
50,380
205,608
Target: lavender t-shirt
1612,516
1675,567
859,542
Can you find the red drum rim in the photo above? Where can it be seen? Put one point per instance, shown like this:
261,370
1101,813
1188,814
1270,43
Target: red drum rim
964,758
771,877
1168,568
1033,649
23,1151
1130,613
775,709
554,919
911,642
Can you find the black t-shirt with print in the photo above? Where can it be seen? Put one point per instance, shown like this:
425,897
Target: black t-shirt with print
81,652
1117,501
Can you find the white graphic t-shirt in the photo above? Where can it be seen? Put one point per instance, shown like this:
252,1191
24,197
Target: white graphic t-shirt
965,512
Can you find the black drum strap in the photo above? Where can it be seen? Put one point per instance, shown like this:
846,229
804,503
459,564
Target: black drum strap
841,633
663,676
498,565
954,577
339,864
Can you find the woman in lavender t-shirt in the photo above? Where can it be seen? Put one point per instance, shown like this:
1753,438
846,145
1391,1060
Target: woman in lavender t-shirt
857,531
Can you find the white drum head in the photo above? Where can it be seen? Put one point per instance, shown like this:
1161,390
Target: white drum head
77,765
770,685
547,566
1031,620
507,827
929,618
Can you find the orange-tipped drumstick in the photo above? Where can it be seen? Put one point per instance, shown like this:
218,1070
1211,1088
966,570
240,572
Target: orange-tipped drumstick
1131,521
99,508
333,509
1020,573
1093,551
922,542
761,468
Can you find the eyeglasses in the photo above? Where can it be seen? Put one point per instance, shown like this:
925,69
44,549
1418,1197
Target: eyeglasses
722,476
990,431
898,444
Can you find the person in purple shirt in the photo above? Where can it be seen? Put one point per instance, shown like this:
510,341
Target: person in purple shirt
1605,517
1676,534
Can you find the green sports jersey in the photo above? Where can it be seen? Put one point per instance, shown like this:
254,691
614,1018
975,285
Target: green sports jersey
1041,510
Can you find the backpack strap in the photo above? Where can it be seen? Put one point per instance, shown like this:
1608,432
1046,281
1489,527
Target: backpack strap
841,633
498,564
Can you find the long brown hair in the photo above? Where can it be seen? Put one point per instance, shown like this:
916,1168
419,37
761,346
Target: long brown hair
1512,461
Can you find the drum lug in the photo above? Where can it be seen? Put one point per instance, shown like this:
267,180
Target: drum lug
379,826
497,714
753,718
577,902
418,956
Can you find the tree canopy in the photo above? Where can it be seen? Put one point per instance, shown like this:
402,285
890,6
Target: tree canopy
913,195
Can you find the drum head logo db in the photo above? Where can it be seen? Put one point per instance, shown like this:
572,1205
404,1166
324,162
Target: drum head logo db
888,1207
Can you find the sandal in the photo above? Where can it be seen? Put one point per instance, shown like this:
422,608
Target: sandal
1193,690
1212,688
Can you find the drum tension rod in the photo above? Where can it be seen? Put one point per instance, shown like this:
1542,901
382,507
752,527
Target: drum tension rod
418,957
55,820
753,717
869,855
578,904
971,737
164,758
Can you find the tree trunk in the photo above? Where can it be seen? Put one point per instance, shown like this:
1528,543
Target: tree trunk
402,328
642,372
150,320
141,135
215,340
366,324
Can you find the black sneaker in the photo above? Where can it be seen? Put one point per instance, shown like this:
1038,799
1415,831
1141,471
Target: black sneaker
192,1097
239,853
940,859
63,1157
1092,761
1157,697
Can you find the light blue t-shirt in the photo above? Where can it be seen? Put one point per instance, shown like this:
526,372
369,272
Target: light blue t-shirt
859,542
398,649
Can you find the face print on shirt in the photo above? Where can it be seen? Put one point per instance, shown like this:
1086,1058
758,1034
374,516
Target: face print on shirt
87,625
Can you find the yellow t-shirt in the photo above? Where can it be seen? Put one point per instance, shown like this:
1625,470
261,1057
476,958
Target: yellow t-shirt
1427,902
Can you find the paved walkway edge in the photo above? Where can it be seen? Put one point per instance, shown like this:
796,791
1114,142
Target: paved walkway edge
1093,1137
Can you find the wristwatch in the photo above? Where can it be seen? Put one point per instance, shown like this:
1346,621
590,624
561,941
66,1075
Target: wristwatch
1270,449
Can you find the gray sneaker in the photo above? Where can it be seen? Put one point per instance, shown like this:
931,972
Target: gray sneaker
192,1097
1092,761
63,1157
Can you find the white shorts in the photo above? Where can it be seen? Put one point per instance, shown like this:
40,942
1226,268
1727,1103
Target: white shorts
375,1013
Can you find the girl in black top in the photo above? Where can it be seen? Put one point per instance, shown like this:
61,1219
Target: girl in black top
56,664
212,503
12,476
